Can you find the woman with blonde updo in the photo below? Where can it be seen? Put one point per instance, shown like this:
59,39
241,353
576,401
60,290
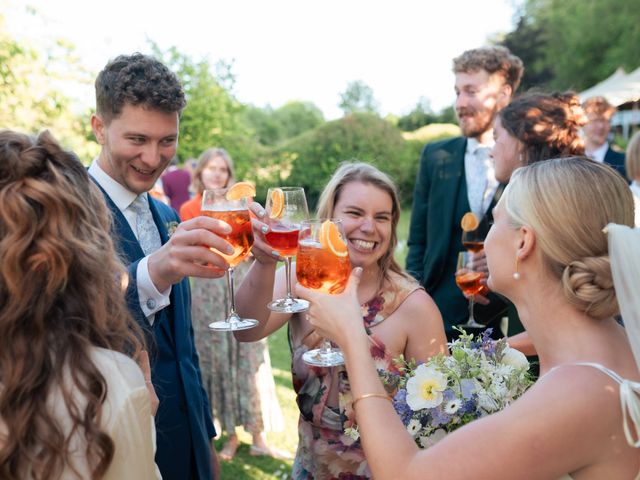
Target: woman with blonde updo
581,419
534,127
72,402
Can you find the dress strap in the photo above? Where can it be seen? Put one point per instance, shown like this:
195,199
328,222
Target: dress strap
629,401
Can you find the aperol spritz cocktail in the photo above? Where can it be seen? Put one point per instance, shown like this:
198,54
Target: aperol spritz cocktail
470,283
323,264
222,205
286,210
241,236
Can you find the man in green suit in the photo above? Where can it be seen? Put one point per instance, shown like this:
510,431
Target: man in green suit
456,176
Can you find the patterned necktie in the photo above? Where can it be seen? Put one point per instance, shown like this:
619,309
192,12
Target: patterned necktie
478,187
148,235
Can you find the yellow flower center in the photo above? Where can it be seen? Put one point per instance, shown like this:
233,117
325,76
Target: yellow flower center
429,389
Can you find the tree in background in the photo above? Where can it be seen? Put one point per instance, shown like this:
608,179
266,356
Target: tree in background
212,115
271,127
574,44
422,115
31,90
358,97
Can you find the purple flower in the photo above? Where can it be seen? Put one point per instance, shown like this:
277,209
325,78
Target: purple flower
400,405
439,417
468,388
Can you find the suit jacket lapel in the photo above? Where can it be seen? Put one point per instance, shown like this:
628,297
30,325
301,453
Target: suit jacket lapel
127,243
451,176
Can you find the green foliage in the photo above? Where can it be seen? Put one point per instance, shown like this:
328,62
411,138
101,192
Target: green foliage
358,98
30,91
310,159
271,127
574,44
422,115
211,117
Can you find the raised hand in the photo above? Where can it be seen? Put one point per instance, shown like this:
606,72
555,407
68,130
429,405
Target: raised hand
337,317
187,253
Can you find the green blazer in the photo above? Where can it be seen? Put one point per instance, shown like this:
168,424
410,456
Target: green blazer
439,202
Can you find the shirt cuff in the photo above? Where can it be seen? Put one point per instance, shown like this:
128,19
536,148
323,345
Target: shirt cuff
151,301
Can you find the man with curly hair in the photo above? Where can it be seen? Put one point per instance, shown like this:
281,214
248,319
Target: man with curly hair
139,101
457,176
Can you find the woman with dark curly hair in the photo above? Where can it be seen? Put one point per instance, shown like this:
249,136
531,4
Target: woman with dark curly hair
534,127
73,404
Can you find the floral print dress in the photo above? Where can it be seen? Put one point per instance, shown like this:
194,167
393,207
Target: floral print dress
325,401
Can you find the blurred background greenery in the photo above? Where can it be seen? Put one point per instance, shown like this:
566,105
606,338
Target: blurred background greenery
565,44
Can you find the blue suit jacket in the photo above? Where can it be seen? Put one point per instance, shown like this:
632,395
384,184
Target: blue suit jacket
616,160
184,425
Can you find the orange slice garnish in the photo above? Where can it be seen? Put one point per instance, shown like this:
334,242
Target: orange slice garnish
331,239
240,190
469,222
276,201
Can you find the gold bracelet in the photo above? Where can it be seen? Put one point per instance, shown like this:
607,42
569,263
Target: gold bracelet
369,395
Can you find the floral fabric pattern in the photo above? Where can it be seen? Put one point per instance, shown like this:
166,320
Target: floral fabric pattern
324,398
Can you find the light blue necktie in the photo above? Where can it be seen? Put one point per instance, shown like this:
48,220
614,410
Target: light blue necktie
478,188
148,235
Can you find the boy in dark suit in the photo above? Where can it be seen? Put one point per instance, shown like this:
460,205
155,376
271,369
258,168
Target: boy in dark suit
457,176
139,102
596,132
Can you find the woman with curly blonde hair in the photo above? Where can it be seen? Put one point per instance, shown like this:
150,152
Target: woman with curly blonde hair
72,402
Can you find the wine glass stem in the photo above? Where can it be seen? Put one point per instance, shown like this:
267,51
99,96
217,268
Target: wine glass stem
327,346
287,271
233,316
471,317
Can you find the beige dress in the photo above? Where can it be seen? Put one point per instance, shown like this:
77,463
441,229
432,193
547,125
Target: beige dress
126,418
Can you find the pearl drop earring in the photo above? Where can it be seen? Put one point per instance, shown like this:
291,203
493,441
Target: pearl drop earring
516,274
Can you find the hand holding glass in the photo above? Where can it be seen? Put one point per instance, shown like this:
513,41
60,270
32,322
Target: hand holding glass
236,214
323,264
286,210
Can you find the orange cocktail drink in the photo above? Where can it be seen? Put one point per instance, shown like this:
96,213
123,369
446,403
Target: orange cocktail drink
320,269
283,239
231,205
323,264
241,236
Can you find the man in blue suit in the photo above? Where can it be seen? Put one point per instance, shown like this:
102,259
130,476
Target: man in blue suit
138,105
596,133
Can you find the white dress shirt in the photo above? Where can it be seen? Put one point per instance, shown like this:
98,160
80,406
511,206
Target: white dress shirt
151,301
599,153
488,179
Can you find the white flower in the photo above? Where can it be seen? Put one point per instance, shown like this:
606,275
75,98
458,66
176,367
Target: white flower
424,389
515,358
486,402
499,390
452,406
435,437
352,432
414,427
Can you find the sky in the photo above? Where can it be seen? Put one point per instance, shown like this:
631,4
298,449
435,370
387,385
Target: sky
283,50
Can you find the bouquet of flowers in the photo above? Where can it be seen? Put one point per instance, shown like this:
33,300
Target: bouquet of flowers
482,376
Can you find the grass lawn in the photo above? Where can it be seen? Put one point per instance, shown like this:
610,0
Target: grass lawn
244,466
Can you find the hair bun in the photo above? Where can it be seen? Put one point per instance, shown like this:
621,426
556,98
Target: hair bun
588,285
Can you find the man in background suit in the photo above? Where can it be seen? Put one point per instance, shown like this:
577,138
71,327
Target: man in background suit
456,176
139,102
596,132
